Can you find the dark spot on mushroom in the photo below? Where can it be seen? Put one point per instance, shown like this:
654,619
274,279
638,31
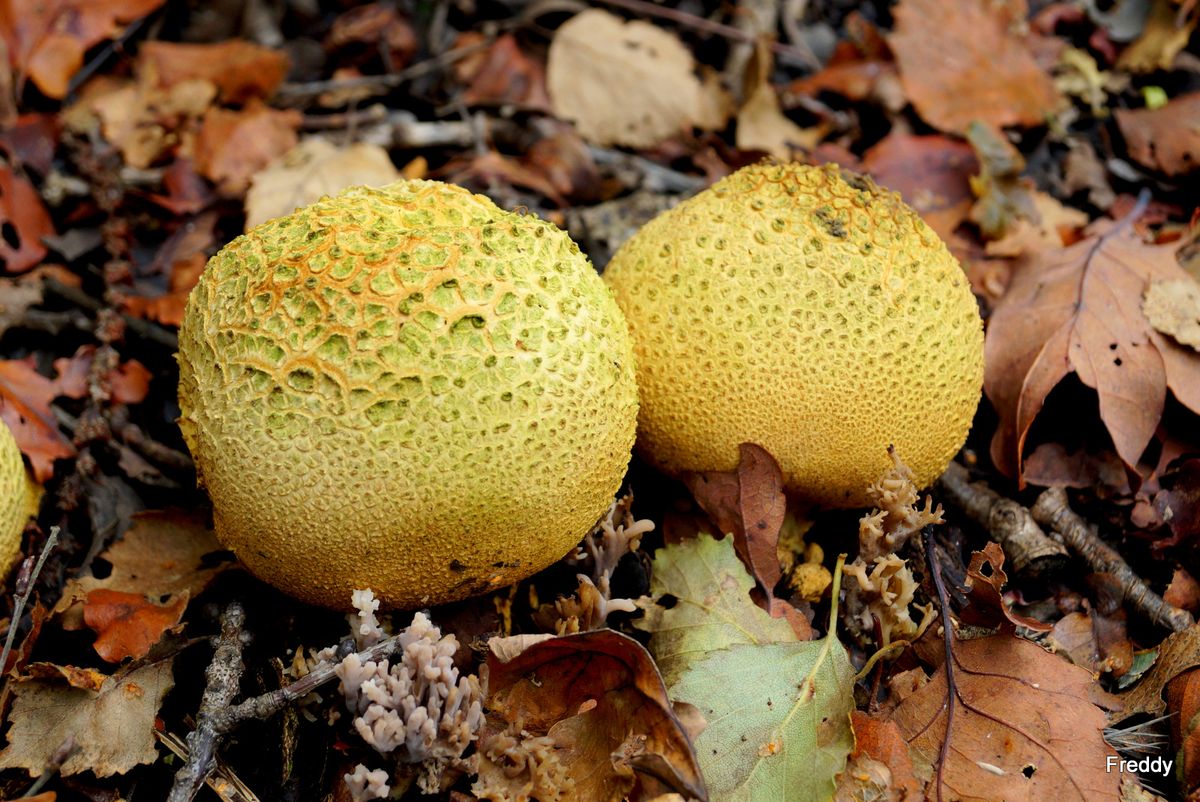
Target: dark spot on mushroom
457,567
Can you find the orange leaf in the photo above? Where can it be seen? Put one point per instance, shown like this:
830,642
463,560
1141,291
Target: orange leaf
24,220
234,145
932,174
240,70
128,624
25,397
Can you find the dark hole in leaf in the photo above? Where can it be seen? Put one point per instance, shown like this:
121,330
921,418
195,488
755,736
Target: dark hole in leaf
667,601
1117,361
1029,770
101,568
9,231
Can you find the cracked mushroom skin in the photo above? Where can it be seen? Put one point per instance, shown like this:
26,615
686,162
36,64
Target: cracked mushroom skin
808,311
406,389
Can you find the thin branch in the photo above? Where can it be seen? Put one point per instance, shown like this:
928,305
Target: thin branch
948,638
1053,510
26,579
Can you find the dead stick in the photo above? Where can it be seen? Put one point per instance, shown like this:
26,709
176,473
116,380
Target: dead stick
26,578
223,676
1009,523
1053,510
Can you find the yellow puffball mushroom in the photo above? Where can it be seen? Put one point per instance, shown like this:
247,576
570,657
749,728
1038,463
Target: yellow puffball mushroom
808,311
16,496
406,389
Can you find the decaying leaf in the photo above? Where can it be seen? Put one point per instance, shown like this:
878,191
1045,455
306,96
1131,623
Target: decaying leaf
1166,32
892,779
314,168
598,699
128,624
502,75
1166,138
932,174
239,70
25,397
113,727
761,123
166,553
46,40
1078,310
776,711
985,589
1180,652
233,145
626,83
21,211
1024,726
960,63
1173,307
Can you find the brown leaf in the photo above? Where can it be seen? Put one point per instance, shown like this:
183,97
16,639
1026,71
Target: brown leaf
1166,32
164,553
187,192
240,70
761,123
1052,226
24,220
128,624
1078,310
88,679
855,80
565,161
932,174
46,40
492,166
1166,138
1173,307
32,140
600,698
1024,726
960,63
1183,705
1180,652
114,727
233,146
881,740
1183,591
129,381
504,76
1052,465
25,397
985,594
749,504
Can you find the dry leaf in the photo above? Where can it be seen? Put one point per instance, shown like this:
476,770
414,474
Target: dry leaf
881,740
25,397
932,174
47,39
960,62
165,553
25,221
1180,652
1183,591
600,699
1078,310
1053,226
311,170
239,70
761,124
129,624
233,146
625,83
1173,307
1165,34
1024,726
1166,138
114,728
985,594
504,76
128,382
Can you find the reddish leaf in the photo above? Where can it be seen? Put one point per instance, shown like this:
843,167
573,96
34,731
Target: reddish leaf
1166,138
32,140
47,39
1183,592
25,397
960,62
1183,705
378,25
985,588
1078,310
1178,503
504,75
882,741
240,70
234,145
599,696
129,381
932,174
24,219
187,192
128,624
748,504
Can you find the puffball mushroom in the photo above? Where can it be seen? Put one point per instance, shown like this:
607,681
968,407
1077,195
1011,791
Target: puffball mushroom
406,389
808,311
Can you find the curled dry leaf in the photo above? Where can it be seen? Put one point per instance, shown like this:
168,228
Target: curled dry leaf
1183,592
985,594
128,624
46,40
1183,705
314,168
600,700
113,727
1024,726
932,173
627,83
1180,652
1166,138
1078,310
1173,307
960,62
21,209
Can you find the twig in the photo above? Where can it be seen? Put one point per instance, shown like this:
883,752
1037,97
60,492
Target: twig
1011,525
948,661
223,677
53,766
142,328
221,779
26,579
801,54
655,177
1052,510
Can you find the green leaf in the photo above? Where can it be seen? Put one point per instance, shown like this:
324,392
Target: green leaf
777,710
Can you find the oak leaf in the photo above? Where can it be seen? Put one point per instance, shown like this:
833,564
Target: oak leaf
1166,138
960,62
1078,310
25,397
128,624
26,221
1025,727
